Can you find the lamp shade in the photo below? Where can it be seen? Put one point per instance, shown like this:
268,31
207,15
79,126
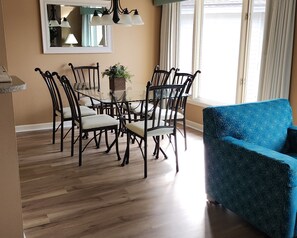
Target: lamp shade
106,19
53,23
137,20
71,39
126,20
65,23
96,20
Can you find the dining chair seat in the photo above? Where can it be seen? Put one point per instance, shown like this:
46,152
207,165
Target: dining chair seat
139,107
98,121
88,102
85,111
179,115
138,128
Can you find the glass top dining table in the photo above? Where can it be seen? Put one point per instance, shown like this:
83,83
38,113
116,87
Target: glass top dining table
128,95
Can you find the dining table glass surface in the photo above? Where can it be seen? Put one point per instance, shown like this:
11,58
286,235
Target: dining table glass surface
128,95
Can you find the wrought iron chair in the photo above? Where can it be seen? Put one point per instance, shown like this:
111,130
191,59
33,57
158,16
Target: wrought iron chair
159,119
181,78
100,122
159,77
64,113
90,76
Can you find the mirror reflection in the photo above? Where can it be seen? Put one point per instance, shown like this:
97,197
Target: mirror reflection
71,26
66,27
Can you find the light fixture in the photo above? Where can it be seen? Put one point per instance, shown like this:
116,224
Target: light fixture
95,19
71,40
54,22
116,15
65,23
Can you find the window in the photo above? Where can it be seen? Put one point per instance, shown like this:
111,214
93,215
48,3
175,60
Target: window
227,47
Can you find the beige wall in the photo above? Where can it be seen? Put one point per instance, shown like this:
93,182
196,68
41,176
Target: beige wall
2,41
136,47
194,113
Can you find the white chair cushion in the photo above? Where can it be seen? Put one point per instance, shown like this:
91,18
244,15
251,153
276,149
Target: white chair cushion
133,105
140,108
97,121
85,111
138,128
179,114
66,113
86,101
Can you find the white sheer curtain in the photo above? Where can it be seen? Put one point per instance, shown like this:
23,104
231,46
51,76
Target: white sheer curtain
277,50
92,35
169,36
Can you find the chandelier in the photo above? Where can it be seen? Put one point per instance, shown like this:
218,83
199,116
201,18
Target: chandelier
116,15
54,22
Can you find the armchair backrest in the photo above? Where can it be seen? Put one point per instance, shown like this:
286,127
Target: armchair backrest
262,123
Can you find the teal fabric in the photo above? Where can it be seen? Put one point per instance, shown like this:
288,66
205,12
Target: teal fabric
264,124
161,2
250,163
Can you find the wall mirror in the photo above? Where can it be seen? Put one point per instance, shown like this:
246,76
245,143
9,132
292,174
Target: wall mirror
66,27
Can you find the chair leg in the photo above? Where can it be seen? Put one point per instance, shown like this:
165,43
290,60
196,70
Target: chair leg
185,133
54,129
95,139
72,139
62,135
158,147
145,158
127,152
80,148
99,139
106,138
116,134
176,153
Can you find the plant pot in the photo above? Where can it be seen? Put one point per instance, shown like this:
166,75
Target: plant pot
116,84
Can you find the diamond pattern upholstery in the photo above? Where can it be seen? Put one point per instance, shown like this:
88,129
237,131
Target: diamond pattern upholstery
250,163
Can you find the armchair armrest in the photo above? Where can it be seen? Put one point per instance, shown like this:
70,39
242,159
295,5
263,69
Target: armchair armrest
254,182
282,162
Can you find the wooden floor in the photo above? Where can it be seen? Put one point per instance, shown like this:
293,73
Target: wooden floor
102,199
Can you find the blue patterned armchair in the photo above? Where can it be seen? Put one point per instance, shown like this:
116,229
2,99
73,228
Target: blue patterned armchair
251,163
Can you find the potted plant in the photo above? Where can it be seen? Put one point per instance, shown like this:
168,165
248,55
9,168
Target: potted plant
118,75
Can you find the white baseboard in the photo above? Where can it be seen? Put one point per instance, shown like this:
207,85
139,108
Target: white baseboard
39,127
48,126
194,125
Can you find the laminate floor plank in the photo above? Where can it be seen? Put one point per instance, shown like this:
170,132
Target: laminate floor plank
103,199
